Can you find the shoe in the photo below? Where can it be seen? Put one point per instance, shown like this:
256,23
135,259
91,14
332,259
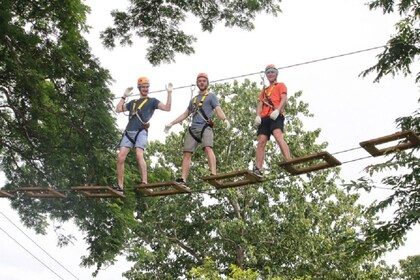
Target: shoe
118,189
181,182
257,172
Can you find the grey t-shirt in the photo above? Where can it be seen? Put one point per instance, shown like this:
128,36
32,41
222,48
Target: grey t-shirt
210,102
145,113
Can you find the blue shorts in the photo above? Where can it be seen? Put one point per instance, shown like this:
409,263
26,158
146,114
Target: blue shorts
268,125
141,141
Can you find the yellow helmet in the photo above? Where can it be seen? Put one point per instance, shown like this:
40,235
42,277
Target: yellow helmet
142,81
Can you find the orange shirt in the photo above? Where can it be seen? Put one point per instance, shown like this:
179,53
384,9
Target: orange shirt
273,93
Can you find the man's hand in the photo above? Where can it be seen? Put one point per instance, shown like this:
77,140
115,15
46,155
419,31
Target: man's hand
226,123
169,87
274,114
128,92
167,128
257,121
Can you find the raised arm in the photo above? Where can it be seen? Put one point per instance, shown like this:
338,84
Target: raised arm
120,106
167,106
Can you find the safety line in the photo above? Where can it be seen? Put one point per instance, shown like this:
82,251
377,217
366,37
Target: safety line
210,189
344,151
38,245
31,253
279,68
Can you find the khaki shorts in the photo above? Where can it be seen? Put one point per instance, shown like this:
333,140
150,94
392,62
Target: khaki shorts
206,141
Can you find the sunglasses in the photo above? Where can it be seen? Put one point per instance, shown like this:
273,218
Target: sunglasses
271,70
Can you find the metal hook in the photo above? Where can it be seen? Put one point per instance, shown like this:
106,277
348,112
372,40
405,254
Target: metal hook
192,88
262,75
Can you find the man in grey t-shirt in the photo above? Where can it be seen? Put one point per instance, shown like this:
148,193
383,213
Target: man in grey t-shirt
201,129
135,135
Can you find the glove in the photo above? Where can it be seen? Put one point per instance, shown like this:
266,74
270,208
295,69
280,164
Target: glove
167,128
226,123
169,87
257,121
274,114
128,92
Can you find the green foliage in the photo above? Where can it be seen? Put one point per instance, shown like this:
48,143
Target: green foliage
410,268
57,130
298,227
402,171
208,271
403,48
160,22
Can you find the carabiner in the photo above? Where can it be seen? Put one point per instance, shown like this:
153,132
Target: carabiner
262,75
192,88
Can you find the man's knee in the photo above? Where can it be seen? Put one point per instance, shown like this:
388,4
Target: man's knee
208,150
187,155
261,143
122,155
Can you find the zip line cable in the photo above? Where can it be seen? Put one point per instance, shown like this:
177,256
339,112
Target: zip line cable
279,68
31,253
38,245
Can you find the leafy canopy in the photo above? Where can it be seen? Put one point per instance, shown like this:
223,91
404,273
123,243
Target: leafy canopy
160,22
403,49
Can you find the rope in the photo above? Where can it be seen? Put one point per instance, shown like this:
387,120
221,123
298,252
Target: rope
31,253
38,245
279,68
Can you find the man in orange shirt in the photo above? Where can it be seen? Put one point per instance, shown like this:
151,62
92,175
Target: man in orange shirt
270,118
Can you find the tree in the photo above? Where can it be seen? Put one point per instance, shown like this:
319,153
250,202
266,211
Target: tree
410,268
301,226
209,271
403,177
403,48
57,129
160,22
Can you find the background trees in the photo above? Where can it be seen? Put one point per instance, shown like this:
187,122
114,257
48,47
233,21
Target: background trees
402,49
59,102
287,226
57,129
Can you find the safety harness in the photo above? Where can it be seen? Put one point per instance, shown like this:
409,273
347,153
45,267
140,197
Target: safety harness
135,112
198,109
267,100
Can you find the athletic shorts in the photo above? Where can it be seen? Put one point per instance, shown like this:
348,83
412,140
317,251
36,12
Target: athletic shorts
141,141
268,125
206,141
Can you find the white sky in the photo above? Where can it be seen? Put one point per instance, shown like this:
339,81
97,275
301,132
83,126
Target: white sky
347,108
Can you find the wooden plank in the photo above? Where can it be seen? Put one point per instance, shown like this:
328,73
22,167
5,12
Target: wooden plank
98,191
6,194
41,192
155,189
329,161
240,178
370,145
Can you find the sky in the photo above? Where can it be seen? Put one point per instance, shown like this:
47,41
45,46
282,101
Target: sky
348,109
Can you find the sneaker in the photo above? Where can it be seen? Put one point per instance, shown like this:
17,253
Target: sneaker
118,189
257,172
181,182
